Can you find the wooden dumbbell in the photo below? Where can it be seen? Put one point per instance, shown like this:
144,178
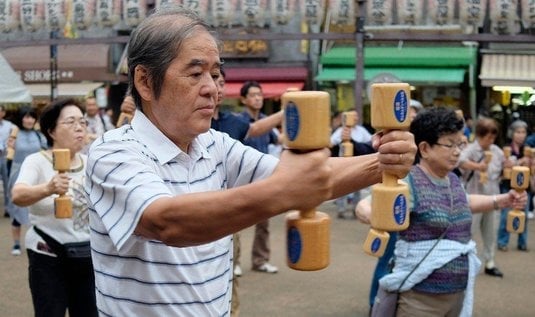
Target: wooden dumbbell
506,170
306,127
62,164
528,152
349,120
389,111
516,219
484,176
10,154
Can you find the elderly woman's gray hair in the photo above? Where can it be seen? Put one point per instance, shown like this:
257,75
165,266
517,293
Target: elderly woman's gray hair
515,125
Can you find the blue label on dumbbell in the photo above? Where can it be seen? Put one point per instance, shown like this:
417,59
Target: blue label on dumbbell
401,106
292,123
376,245
294,245
516,224
400,209
520,179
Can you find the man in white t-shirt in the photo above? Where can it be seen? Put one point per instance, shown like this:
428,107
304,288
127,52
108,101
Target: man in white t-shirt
166,192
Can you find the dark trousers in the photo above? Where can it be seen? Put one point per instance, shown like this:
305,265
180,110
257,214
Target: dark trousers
58,284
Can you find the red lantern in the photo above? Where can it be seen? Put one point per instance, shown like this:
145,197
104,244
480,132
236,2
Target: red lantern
9,15
82,13
108,12
282,11
55,14
134,11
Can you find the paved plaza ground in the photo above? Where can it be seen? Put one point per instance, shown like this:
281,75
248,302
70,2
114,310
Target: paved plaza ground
341,290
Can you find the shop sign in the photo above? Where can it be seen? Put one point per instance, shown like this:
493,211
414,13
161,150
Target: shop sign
32,15
342,12
313,11
379,12
55,14
282,11
410,12
528,13
43,75
248,49
9,15
134,11
108,12
472,12
441,11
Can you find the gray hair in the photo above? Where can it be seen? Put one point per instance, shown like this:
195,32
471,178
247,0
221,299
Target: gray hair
156,42
517,124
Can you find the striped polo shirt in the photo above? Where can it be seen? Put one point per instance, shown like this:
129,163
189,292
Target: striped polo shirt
129,168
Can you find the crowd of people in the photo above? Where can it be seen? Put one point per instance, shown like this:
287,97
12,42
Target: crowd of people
150,193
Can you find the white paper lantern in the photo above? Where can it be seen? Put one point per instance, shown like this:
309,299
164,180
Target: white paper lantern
55,14
282,11
342,12
134,11
410,12
503,17
441,11
528,13
224,12
82,13
160,3
199,6
108,12
254,12
32,15
313,11
472,12
379,12
9,15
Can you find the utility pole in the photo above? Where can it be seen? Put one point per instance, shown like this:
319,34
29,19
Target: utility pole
53,67
359,54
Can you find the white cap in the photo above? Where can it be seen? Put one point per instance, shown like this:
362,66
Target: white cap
416,104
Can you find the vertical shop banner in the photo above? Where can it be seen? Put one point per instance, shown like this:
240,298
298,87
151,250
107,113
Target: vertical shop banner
254,13
108,13
9,15
312,11
472,12
528,13
32,15
82,13
223,12
134,11
342,12
503,17
441,12
379,12
410,12
55,14
282,11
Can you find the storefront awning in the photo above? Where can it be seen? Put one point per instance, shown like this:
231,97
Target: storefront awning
270,90
65,89
443,76
393,56
266,74
507,70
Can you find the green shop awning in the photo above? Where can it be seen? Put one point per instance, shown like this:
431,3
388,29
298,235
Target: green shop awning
436,56
409,75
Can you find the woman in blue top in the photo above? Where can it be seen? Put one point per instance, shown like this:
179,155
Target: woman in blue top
28,141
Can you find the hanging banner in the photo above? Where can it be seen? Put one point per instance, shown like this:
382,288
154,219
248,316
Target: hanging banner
108,12
55,14
342,12
82,13
134,11
199,6
282,11
32,15
9,15
313,11
441,11
410,12
472,12
254,12
379,12
223,12
528,13
503,17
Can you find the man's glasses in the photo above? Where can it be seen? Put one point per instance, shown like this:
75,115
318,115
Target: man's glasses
70,122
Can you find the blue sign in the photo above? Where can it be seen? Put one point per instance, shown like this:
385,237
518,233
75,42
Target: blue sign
292,120
294,245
